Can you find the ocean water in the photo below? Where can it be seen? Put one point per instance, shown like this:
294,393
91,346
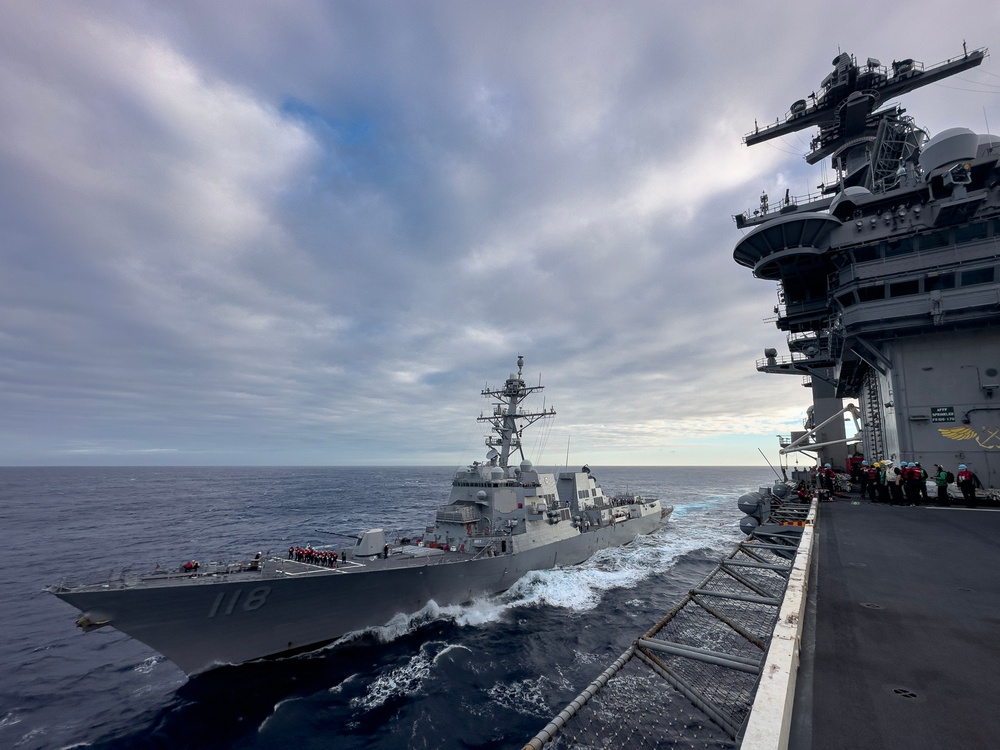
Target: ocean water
488,674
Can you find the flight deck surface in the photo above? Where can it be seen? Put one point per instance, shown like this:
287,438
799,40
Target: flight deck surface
902,636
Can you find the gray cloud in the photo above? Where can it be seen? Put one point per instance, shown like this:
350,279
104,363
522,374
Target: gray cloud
310,232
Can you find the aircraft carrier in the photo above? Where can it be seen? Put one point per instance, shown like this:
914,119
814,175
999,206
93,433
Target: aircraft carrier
889,293
850,623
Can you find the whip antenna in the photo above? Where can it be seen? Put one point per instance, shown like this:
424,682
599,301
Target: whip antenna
785,479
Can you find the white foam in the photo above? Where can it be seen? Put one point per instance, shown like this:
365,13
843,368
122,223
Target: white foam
476,613
339,687
705,525
456,647
527,697
274,711
586,657
9,719
403,680
148,665
481,611
581,587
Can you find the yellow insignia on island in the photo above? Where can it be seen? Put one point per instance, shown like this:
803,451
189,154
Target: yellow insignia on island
958,433
991,439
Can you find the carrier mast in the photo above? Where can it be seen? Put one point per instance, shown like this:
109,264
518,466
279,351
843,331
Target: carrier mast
881,265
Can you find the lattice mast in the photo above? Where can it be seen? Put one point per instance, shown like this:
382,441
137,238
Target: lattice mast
508,418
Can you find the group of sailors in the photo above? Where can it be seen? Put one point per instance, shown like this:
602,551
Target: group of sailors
906,484
307,554
618,501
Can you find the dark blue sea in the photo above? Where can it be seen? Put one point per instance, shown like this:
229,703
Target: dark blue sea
489,674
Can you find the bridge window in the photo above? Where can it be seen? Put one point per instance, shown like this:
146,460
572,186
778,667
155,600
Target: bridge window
846,300
939,281
978,276
972,232
898,247
871,293
904,288
935,240
866,253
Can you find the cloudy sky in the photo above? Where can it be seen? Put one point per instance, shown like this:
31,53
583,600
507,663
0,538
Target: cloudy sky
240,232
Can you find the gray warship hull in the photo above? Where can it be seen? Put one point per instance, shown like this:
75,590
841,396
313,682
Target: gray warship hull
286,607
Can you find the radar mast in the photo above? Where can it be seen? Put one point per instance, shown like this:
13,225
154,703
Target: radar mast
508,419
867,146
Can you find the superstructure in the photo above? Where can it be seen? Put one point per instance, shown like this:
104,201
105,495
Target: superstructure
889,287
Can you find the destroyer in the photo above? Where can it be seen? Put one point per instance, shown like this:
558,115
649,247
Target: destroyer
502,520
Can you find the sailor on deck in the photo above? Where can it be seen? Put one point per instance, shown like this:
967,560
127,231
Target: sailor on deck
873,483
967,482
941,482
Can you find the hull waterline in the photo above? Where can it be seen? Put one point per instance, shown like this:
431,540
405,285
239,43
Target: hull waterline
253,615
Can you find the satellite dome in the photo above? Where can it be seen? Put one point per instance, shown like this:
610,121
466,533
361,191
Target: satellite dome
526,465
948,147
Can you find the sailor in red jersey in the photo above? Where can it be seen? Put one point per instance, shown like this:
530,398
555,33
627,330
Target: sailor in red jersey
967,482
873,482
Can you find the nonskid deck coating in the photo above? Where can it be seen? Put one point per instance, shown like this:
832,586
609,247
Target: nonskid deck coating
902,640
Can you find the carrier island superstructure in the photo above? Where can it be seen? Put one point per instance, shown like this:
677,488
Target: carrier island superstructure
889,287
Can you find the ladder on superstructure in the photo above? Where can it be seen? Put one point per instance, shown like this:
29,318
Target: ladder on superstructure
874,430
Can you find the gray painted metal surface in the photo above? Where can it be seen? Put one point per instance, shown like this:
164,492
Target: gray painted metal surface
891,296
894,304
900,644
